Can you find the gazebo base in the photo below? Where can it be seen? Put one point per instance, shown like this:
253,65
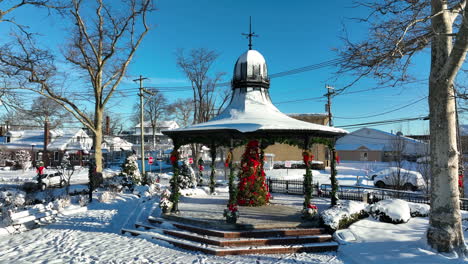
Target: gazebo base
261,217
271,229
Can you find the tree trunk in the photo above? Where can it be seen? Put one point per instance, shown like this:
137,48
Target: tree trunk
97,142
154,136
445,229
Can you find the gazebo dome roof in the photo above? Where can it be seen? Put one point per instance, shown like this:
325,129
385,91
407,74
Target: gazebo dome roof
251,112
250,70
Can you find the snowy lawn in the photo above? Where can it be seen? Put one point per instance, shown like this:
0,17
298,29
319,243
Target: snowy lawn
93,236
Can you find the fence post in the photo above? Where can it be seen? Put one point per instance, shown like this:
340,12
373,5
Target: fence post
287,186
270,184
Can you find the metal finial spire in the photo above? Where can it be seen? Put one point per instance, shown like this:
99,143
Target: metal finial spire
250,35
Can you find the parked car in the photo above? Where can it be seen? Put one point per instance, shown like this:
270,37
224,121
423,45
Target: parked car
50,180
398,177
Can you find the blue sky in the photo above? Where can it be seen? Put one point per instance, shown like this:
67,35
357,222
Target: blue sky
292,34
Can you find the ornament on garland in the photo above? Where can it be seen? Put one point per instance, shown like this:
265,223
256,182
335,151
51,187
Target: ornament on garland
174,156
307,157
311,212
252,188
231,214
228,159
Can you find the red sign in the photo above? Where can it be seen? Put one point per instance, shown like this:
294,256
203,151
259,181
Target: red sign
150,160
190,160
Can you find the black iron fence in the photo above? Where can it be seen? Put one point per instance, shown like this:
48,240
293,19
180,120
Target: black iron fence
351,192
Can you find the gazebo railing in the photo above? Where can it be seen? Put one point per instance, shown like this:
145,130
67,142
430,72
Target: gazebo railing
351,192
288,186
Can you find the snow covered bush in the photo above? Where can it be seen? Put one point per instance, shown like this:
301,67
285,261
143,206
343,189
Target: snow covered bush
164,202
83,200
22,160
419,210
393,211
146,190
130,169
61,203
343,215
106,197
13,198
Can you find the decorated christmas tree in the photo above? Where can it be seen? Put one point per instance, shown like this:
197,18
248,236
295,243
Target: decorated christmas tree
252,189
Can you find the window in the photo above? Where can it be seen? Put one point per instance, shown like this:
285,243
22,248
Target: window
56,156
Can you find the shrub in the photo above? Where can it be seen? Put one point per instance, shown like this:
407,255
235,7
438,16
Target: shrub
393,211
343,215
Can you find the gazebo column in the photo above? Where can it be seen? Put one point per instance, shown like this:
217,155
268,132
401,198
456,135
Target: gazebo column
212,175
232,188
174,198
307,157
333,173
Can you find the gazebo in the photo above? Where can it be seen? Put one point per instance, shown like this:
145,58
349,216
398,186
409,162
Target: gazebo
252,118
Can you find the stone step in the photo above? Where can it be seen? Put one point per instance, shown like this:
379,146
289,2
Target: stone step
232,242
240,250
257,233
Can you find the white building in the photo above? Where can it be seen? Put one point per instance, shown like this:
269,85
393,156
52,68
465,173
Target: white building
148,132
74,142
376,145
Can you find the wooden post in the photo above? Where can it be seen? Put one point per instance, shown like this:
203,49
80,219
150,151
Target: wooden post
175,178
333,173
212,175
232,188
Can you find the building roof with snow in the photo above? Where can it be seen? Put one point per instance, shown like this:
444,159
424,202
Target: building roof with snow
60,140
117,143
378,140
168,124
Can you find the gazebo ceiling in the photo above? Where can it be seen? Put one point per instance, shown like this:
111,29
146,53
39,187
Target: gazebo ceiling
250,113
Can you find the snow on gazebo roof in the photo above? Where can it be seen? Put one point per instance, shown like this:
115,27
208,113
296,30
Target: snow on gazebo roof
251,111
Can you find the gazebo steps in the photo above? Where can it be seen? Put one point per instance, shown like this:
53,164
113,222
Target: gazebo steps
257,233
217,242
237,250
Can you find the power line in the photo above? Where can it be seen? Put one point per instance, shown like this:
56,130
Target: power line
384,122
387,112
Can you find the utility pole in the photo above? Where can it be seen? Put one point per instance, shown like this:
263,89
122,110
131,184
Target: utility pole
142,130
330,92
333,173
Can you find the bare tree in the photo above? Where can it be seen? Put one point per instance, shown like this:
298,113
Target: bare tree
8,97
423,167
154,110
196,65
116,122
398,31
182,111
400,177
45,109
101,46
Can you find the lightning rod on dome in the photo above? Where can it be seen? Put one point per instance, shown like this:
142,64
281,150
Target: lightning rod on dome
251,34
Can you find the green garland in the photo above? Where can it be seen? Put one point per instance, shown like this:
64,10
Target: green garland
334,182
174,182
212,174
232,188
307,187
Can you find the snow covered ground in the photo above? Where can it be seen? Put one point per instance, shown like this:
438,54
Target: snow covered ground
93,236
